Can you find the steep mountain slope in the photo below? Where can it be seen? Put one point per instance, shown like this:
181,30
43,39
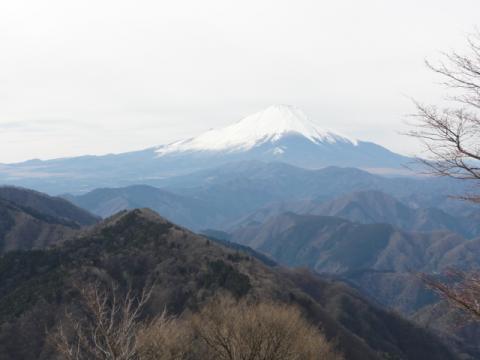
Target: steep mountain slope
406,294
278,133
378,259
32,220
52,206
135,247
334,245
376,207
23,228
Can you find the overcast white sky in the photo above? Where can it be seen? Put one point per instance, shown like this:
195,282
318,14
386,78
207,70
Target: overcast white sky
103,76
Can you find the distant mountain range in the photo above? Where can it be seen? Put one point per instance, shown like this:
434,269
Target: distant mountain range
279,133
234,194
188,211
372,207
337,246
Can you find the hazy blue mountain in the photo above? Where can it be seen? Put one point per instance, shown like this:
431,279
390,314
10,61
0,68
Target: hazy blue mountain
370,207
333,245
279,133
266,189
187,211
226,196
279,181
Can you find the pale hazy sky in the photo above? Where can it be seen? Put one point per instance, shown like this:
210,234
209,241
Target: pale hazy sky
93,77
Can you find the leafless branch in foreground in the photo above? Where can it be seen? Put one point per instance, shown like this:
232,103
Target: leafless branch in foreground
460,289
107,329
451,136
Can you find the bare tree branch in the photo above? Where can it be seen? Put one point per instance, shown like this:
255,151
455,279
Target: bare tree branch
451,139
451,136
108,328
460,289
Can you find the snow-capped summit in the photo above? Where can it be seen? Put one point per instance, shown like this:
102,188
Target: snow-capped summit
279,133
269,125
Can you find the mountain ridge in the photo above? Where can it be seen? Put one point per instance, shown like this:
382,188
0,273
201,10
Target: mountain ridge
333,245
371,207
32,220
134,246
221,198
53,206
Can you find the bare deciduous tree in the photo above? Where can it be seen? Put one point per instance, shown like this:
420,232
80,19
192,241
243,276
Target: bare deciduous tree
451,136
460,289
224,329
107,327
166,338
266,331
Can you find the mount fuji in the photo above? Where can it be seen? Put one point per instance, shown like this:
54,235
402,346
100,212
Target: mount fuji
271,125
280,133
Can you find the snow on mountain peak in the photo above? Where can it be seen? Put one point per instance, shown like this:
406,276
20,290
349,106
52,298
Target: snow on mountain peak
269,125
